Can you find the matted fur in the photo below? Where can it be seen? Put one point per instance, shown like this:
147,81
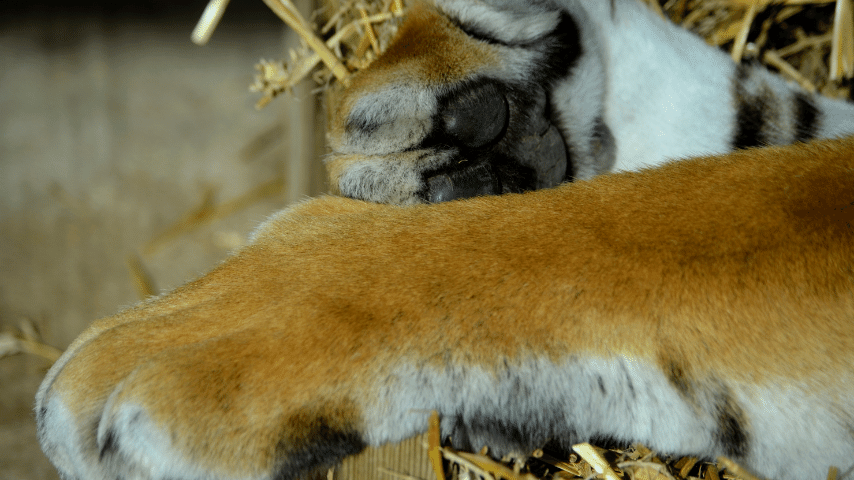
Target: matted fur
705,307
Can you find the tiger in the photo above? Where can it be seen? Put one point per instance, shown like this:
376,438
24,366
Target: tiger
582,285
703,307
489,97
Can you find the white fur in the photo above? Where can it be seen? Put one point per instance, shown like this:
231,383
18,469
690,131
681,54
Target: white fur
146,450
665,95
513,23
668,93
620,396
838,118
402,114
799,418
779,417
663,92
61,439
579,101
376,180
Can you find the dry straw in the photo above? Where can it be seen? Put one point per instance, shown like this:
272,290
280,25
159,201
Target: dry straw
820,58
26,339
588,462
357,31
354,41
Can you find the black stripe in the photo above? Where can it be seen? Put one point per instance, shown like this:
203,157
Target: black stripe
806,117
564,50
111,445
731,434
561,47
313,445
480,34
677,378
750,113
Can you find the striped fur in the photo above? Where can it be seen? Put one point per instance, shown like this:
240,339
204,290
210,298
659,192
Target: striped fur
584,87
704,307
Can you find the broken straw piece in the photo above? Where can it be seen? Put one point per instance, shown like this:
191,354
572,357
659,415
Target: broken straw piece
591,456
842,48
434,441
286,11
210,19
741,38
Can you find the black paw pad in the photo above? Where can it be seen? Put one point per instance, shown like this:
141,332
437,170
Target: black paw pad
475,116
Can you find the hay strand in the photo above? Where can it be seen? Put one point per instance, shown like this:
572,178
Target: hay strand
832,473
775,60
142,278
354,43
289,14
434,452
592,456
842,48
360,30
209,21
735,469
26,339
743,30
208,210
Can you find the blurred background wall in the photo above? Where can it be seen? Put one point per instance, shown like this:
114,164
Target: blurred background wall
130,160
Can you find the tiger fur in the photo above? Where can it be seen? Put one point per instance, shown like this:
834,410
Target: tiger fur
477,98
703,307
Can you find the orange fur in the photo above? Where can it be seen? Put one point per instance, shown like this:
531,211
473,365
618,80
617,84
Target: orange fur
736,268
427,51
